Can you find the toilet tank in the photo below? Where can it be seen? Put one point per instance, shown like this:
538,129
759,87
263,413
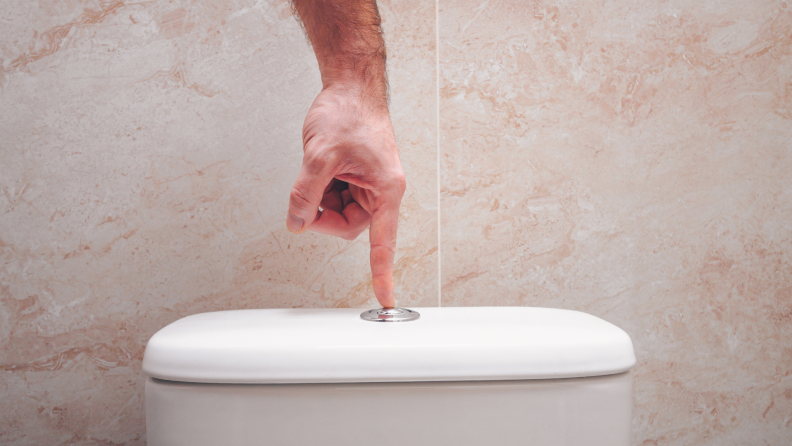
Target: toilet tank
456,376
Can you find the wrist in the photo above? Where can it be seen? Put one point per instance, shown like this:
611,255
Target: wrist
367,89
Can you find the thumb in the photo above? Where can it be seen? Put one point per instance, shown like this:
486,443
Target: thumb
306,195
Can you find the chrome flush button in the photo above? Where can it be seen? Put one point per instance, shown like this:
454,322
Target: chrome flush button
390,315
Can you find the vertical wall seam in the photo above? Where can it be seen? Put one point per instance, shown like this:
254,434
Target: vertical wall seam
437,129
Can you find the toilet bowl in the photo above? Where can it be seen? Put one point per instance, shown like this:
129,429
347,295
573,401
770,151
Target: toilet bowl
456,376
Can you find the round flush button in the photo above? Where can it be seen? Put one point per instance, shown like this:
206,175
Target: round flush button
390,315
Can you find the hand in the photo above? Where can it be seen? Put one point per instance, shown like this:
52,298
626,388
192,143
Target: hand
351,169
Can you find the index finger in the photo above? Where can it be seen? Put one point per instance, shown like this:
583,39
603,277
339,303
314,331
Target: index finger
382,236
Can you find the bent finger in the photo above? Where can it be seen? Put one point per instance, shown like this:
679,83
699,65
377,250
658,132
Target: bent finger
347,224
332,200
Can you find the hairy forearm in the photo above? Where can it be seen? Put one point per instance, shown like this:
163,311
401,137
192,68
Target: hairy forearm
347,38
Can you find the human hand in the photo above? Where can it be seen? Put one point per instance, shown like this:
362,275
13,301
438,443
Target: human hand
351,169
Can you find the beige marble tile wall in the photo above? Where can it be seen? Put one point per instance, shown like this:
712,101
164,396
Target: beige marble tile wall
147,151
632,159
628,159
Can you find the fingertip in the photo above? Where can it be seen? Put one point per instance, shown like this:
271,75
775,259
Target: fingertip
306,198
383,289
346,197
388,303
294,223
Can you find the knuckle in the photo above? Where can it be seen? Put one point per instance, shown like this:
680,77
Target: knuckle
313,162
353,234
400,182
316,160
300,198
389,248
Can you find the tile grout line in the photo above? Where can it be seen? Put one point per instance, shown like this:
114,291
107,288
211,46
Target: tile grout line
437,129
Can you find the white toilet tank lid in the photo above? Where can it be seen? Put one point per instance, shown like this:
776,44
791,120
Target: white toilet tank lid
336,345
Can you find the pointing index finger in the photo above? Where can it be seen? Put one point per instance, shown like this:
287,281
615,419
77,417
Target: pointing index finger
382,236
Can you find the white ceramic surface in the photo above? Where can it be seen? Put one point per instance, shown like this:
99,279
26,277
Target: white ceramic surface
335,345
566,412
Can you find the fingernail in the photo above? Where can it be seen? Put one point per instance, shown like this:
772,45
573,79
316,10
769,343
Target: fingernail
294,223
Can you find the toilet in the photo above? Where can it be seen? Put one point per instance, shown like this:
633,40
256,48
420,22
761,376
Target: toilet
457,376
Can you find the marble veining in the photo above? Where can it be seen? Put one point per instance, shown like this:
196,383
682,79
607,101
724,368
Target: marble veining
146,158
632,160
